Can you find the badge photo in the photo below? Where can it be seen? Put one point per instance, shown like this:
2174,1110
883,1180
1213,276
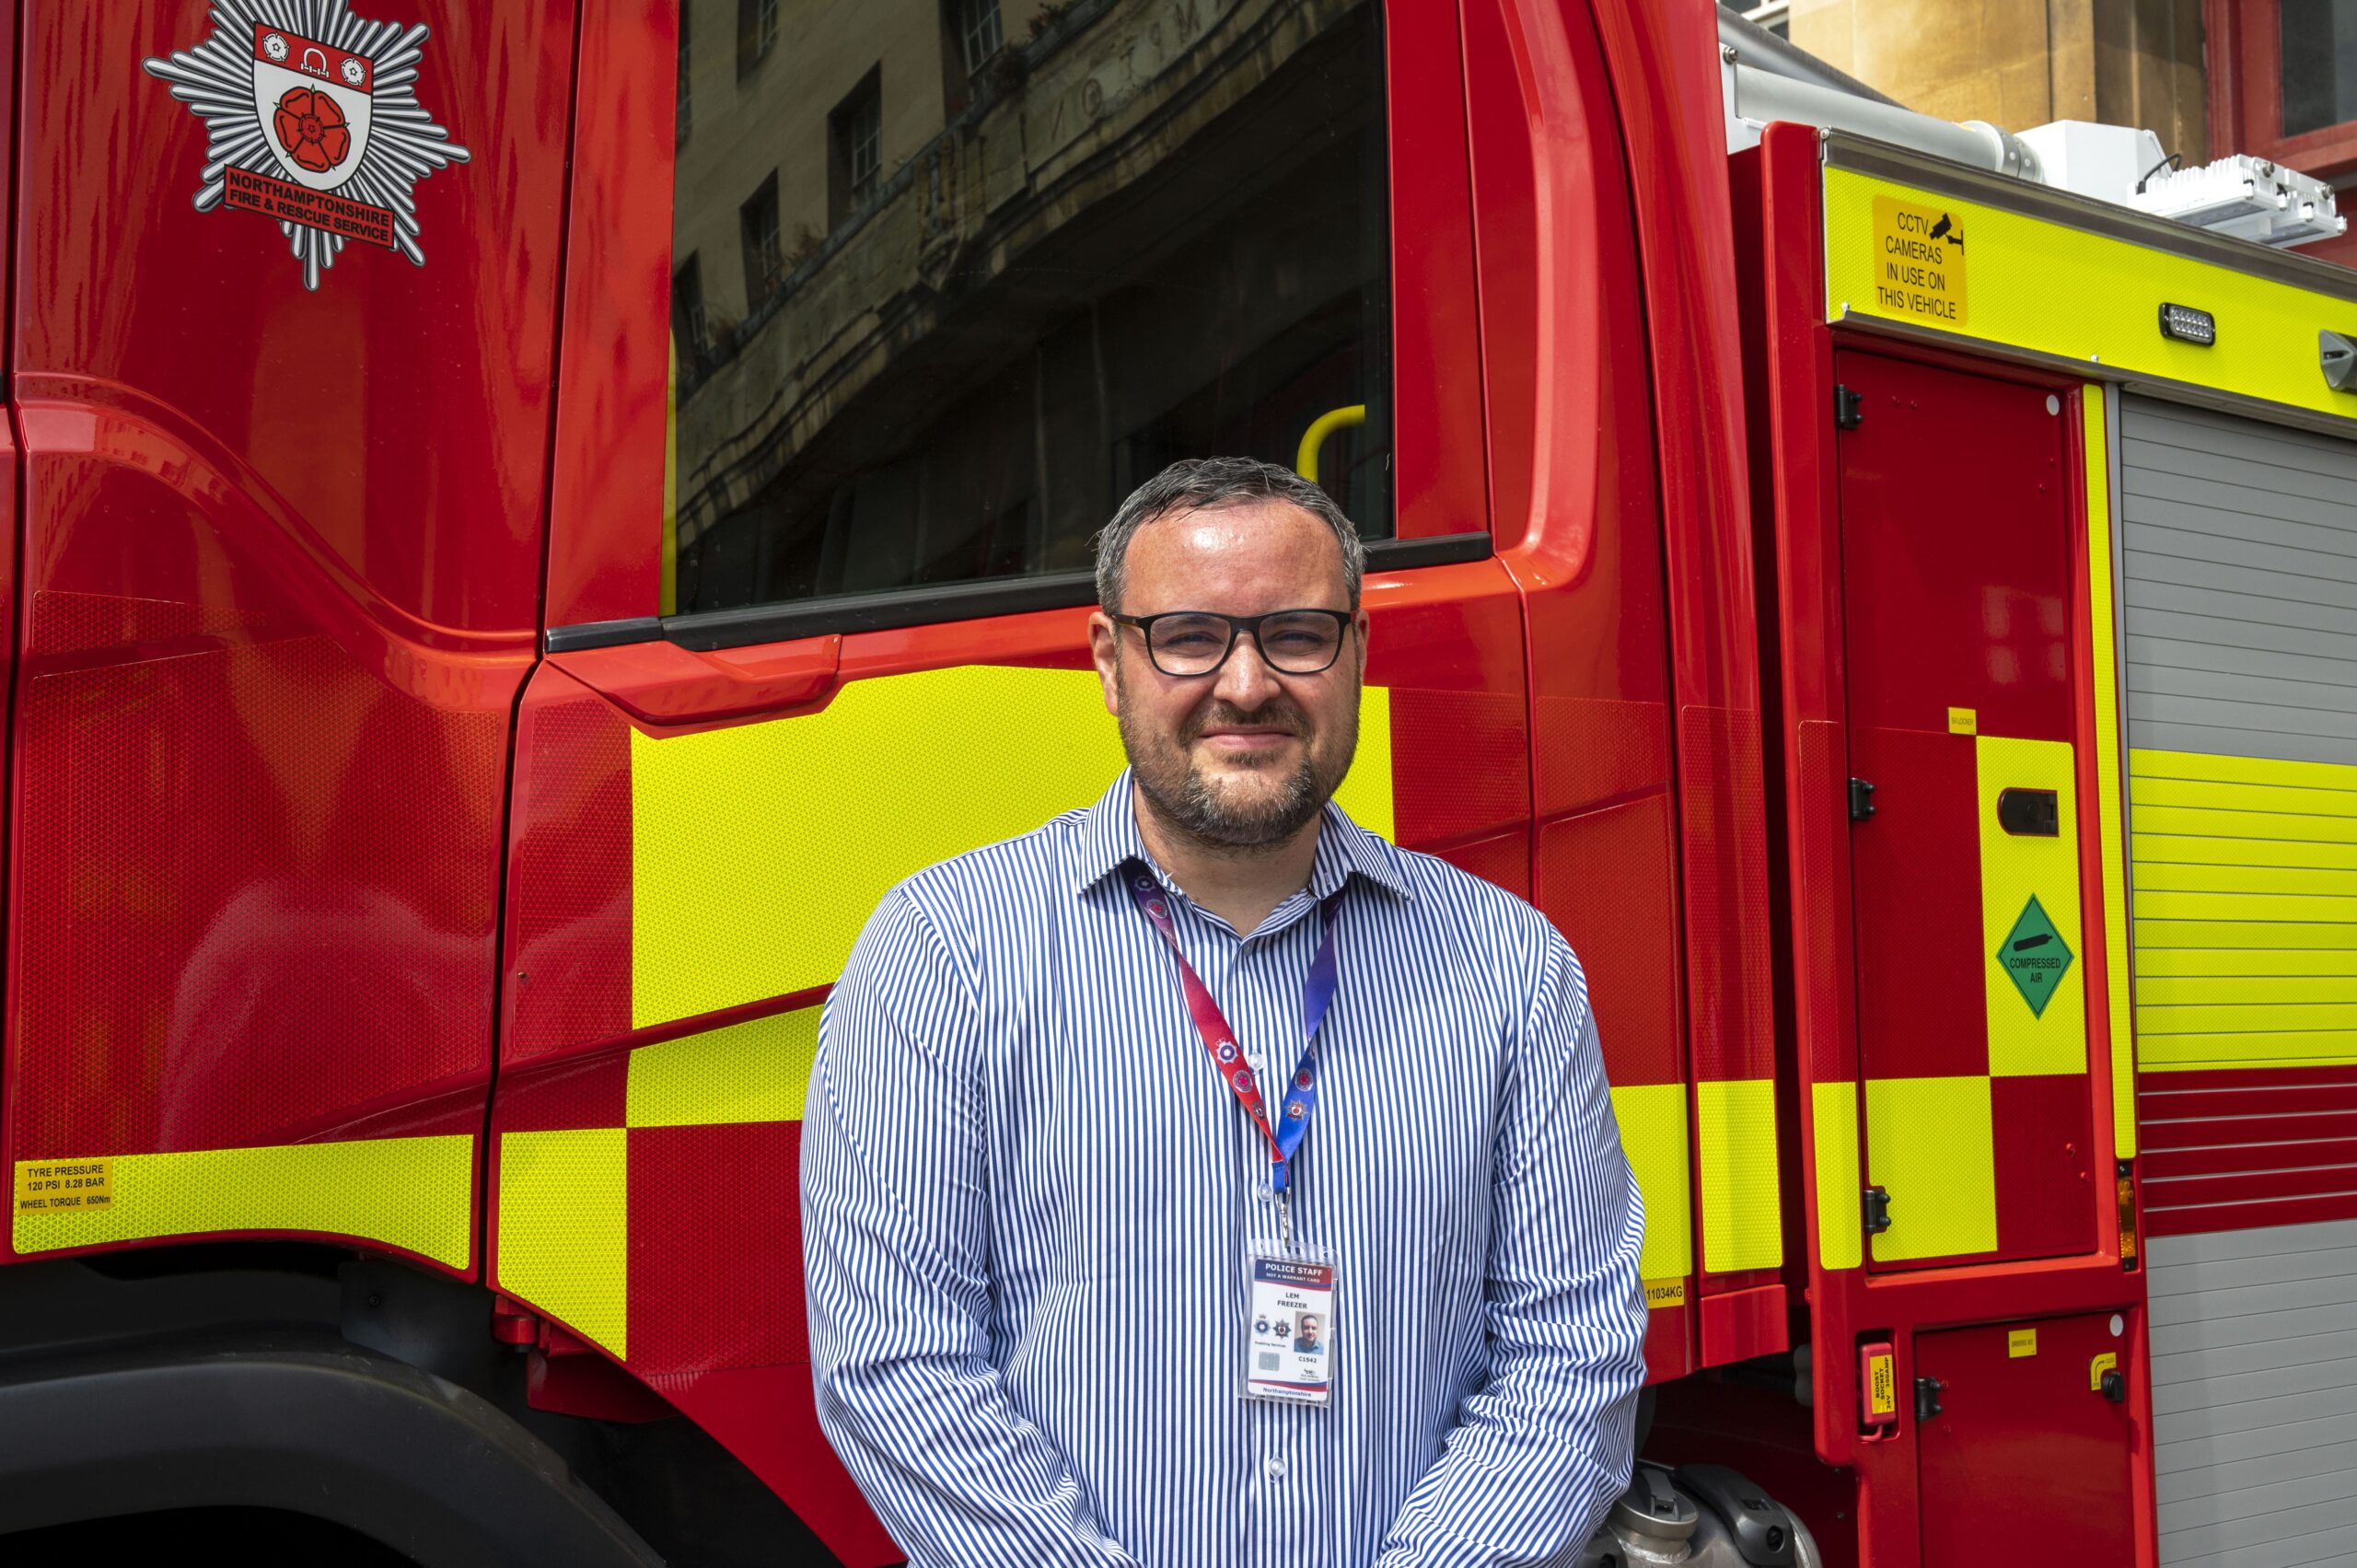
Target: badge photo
323,130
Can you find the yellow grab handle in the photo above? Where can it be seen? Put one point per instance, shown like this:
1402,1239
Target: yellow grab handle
1348,417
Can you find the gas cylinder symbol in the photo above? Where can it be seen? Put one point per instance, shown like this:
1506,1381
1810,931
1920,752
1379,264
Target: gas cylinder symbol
315,53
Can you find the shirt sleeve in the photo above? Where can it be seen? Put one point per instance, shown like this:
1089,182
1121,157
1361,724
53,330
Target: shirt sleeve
896,1251
1542,1448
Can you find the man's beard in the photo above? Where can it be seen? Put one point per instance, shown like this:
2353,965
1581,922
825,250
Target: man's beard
1186,802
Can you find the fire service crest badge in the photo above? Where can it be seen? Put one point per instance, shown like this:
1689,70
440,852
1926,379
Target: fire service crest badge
312,119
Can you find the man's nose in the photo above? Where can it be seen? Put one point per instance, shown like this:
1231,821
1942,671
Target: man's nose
1245,681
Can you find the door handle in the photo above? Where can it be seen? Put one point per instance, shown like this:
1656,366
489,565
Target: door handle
661,683
2032,813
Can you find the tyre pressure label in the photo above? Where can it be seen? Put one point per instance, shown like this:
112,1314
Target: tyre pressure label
49,1186
1919,263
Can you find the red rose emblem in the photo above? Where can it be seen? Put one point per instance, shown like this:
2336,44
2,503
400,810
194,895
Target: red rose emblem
310,127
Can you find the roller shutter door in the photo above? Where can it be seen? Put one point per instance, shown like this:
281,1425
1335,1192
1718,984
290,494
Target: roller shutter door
2239,580
2241,542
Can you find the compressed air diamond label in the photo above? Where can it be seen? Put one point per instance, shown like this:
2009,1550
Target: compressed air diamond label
2034,957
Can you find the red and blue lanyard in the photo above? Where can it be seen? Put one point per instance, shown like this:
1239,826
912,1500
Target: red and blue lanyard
1285,1134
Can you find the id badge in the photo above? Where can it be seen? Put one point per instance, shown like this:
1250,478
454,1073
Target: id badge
1290,1327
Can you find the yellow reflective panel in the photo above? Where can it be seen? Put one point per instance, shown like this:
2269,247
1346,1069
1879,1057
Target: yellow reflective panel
2220,876
2338,779
2024,1037
759,851
2052,289
414,1193
1742,1212
2313,942
2156,851
1840,1233
2249,904
757,1071
2333,806
2102,656
1931,1145
1652,1131
2164,990
2223,818
564,1228
2245,877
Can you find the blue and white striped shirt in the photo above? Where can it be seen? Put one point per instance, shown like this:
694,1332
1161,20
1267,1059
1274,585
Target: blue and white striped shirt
1028,1198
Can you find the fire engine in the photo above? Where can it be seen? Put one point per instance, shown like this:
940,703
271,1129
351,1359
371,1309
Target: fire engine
527,519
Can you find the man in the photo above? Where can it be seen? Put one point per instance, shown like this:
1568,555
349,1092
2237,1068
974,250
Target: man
1056,1228
1308,1343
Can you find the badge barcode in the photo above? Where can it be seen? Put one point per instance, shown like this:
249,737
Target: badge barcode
1268,1361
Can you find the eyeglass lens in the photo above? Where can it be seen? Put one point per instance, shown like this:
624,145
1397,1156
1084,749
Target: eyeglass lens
1301,643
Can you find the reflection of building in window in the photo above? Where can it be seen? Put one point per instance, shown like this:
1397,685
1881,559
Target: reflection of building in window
1158,231
686,109
856,147
688,327
756,33
978,32
764,251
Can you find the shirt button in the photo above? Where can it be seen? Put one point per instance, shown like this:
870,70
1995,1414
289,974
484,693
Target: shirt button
1274,1469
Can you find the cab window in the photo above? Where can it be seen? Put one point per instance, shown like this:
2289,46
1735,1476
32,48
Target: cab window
951,276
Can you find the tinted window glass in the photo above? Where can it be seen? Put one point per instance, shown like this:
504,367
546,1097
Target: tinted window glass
959,274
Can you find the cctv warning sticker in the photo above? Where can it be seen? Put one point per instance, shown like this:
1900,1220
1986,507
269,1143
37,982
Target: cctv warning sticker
1919,263
46,1187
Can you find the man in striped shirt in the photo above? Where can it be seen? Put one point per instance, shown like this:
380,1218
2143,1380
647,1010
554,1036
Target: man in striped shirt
1057,1236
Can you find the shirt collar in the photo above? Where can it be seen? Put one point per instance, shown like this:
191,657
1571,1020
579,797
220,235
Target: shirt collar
1109,839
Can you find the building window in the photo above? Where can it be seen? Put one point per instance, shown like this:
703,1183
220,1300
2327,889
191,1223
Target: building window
979,37
764,251
855,148
2282,77
2283,85
688,332
2318,54
687,100
756,34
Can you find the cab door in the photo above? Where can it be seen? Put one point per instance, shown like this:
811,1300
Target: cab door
936,299
284,463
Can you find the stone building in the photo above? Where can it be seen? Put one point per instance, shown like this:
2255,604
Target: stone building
2273,78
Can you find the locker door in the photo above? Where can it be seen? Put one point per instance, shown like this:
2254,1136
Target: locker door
1955,553
2027,1460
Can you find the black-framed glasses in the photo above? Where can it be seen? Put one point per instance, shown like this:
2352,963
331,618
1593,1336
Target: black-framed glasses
1188,643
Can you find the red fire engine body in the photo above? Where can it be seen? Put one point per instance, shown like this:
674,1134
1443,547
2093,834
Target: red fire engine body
476,667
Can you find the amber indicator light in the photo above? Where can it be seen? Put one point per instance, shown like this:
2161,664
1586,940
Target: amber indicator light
2127,1188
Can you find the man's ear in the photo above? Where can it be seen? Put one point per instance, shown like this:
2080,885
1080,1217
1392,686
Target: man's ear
1360,620
1105,652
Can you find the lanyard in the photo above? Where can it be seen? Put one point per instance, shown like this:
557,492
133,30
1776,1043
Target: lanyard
1285,1134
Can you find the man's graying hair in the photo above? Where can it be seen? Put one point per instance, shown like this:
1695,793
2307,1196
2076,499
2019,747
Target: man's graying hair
1195,484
